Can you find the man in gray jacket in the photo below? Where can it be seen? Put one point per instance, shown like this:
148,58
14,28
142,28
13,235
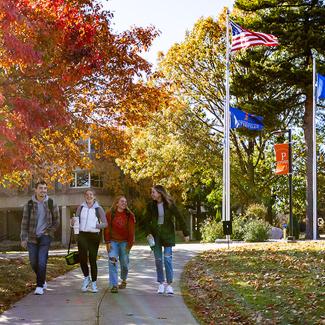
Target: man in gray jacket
40,220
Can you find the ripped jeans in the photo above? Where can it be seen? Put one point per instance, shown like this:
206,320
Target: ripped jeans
168,262
118,253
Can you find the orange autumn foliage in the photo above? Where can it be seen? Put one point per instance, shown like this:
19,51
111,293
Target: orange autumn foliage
62,69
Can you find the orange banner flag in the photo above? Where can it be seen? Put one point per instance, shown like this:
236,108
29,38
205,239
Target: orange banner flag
282,158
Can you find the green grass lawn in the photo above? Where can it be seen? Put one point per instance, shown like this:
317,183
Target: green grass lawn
266,283
17,278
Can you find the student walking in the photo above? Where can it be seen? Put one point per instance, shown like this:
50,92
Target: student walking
41,218
119,238
159,220
91,219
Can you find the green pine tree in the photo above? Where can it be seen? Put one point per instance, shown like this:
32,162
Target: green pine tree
299,26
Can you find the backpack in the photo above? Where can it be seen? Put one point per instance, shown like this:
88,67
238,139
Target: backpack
98,217
97,213
30,207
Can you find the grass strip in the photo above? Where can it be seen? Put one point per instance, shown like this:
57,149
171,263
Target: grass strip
266,283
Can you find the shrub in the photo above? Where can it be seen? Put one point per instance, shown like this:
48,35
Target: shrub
256,231
211,230
238,226
218,216
256,211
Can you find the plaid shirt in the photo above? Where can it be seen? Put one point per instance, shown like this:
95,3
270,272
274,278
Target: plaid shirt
28,227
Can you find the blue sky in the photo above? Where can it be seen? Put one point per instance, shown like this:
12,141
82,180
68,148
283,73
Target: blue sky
171,17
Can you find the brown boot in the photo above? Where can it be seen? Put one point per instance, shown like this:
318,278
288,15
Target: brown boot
122,285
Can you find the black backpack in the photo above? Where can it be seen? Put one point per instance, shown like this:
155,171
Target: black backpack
97,213
30,207
98,217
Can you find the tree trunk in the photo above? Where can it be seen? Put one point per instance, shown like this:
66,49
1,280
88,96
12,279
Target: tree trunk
254,197
308,129
269,205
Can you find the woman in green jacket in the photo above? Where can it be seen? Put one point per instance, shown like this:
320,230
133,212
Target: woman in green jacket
161,214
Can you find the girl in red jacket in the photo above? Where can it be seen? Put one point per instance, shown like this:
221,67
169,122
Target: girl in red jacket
119,238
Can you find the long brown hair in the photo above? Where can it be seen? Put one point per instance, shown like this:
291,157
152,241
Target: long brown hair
164,195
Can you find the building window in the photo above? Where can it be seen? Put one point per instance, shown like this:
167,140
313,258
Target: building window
81,179
96,180
85,179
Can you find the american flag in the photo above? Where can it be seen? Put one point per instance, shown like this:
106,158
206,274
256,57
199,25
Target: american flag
243,38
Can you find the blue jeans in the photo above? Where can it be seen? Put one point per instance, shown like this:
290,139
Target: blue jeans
117,253
168,262
38,254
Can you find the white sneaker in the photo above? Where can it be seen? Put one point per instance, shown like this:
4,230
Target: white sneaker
94,287
85,284
45,285
169,290
161,289
39,291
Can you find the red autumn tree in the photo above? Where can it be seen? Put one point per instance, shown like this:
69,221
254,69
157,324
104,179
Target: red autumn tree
62,69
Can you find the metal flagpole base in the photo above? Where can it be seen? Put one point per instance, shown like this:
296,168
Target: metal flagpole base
228,239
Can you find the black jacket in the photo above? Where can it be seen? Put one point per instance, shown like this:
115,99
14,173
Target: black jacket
166,231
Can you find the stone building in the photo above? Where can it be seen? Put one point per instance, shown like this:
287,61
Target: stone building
67,197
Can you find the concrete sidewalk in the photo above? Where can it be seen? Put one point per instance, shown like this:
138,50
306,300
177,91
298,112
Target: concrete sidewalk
64,303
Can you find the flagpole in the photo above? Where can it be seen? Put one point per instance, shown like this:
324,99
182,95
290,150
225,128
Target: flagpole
228,122
226,152
314,151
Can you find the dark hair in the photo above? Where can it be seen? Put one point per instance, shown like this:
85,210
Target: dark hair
164,195
40,183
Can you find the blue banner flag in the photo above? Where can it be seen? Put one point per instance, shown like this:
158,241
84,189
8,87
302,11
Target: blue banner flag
242,119
320,86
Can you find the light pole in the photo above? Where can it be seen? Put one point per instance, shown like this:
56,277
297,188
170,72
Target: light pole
290,186
290,237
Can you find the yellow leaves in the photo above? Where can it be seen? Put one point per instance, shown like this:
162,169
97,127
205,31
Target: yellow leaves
55,154
197,46
168,149
15,179
256,282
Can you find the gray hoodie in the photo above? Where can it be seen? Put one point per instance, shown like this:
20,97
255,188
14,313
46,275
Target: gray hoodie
41,215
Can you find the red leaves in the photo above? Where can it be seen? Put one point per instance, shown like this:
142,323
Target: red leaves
20,51
59,58
17,49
